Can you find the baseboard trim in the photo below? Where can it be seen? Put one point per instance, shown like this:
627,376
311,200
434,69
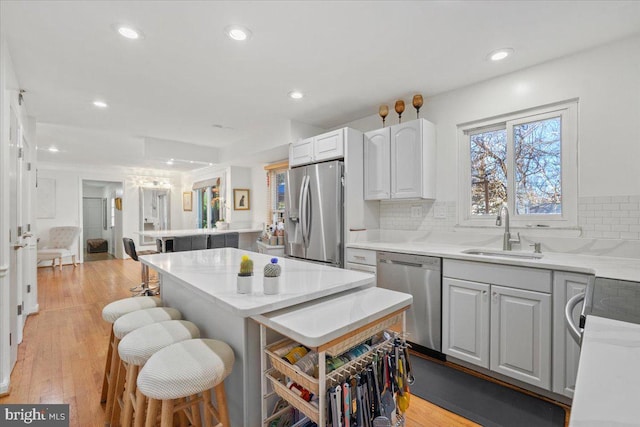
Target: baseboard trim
4,388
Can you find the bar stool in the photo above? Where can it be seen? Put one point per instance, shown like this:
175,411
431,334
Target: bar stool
145,287
110,313
121,327
187,370
136,348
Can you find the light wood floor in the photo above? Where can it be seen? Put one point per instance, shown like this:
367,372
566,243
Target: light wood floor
61,358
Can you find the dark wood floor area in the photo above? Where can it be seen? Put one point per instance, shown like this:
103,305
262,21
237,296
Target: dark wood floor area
61,358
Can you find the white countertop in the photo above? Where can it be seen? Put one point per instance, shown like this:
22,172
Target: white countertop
192,232
608,383
319,322
601,266
213,273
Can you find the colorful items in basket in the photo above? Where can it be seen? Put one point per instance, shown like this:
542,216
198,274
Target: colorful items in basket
346,357
300,391
308,364
295,354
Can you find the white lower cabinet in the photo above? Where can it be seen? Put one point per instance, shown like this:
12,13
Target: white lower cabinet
521,335
465,322
505,329
566,351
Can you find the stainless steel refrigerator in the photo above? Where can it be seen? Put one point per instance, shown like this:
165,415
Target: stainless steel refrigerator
314,213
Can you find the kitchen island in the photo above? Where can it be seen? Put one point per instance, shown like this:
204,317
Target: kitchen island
202,285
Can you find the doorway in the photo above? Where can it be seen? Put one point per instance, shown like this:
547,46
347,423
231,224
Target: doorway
99,226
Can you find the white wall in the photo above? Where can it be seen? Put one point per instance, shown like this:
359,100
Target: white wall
606,81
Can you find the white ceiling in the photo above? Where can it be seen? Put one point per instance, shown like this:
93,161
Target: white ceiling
185,75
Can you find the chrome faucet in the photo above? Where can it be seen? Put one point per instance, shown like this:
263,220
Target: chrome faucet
507,241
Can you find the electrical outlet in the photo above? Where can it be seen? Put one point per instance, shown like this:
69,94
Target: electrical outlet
416,211
440,211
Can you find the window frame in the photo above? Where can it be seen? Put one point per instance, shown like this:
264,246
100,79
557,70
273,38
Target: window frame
568,113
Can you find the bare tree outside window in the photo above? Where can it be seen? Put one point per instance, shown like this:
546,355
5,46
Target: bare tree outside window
538,166
537,163
488,172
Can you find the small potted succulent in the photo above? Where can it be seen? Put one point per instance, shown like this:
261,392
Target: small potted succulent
245,275
272,277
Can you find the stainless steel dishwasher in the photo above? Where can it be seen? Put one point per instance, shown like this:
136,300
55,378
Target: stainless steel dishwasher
421,277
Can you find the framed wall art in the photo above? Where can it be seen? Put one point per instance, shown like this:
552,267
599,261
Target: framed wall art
187,201
240,199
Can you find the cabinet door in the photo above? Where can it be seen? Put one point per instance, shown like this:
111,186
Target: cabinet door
329,145
465,320
521,335
406,160
377,174
301,152
566,351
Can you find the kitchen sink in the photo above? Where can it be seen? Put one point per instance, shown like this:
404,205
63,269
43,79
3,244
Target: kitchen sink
506,254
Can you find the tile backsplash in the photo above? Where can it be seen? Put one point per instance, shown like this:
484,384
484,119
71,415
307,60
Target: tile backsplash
608,217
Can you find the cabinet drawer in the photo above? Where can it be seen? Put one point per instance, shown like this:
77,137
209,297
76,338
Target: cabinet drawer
532,279
361,256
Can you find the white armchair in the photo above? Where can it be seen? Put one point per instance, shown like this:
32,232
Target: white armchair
59,245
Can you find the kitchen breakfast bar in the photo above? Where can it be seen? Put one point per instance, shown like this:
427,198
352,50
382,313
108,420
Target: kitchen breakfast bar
202,285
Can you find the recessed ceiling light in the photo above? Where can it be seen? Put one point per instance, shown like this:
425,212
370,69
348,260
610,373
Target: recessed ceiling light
128,32
100,104
170,162
53,149
296,94
500,54
237,32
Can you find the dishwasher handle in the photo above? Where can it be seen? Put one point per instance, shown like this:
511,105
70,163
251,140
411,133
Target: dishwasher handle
407,264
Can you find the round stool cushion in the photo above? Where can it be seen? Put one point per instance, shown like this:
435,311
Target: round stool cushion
186,368
139,345
137,319
112,311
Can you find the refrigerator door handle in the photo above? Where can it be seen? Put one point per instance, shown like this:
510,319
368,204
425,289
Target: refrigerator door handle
302,207
306,229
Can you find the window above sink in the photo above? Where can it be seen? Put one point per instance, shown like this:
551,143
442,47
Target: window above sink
525,159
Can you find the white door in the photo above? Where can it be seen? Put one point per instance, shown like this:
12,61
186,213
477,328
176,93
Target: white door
521,335
29,261
465,320
15,236
566,351
377,173
92,218
406,160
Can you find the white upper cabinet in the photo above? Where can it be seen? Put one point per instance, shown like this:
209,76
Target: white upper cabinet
400,162
319,148
329,145
377,168
301,152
